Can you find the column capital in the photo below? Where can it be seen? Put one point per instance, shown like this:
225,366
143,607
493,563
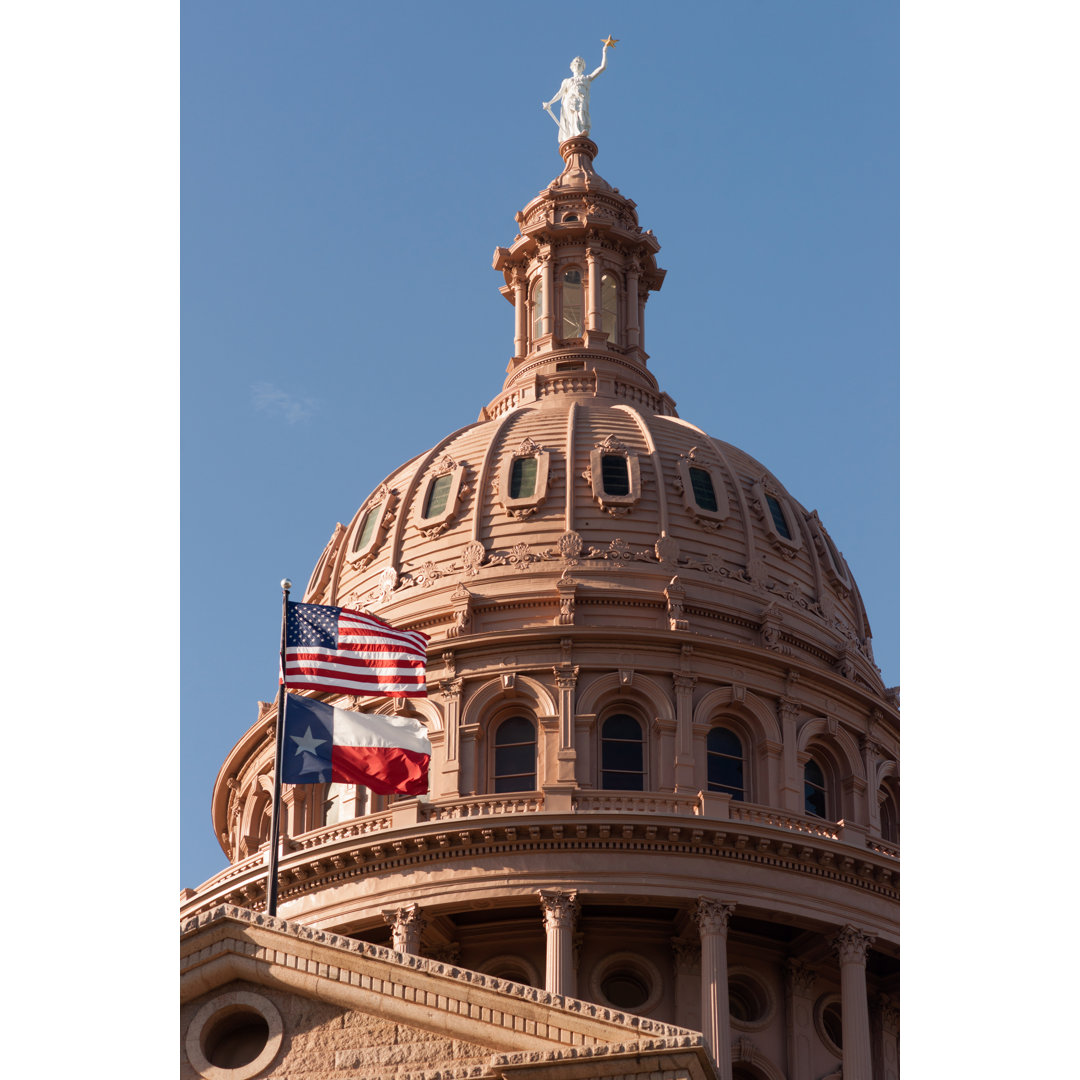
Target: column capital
800,977
406,924
560,908
712,916
686,953
851,945
684,682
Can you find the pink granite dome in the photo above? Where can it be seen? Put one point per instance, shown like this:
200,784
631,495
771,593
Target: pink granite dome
737,556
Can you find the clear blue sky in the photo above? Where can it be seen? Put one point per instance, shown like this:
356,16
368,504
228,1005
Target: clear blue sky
347,170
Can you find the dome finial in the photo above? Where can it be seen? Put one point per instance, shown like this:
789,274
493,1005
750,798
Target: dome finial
573,118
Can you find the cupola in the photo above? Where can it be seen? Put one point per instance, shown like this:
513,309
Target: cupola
579,274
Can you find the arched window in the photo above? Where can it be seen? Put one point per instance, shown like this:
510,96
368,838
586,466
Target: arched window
725,758
622,754
609,307
515,755
889,801
814,789
573,305
538,310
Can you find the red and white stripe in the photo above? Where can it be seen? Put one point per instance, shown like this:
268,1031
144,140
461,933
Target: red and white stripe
372,659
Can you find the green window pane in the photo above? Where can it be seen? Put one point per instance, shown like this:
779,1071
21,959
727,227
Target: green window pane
778,518
523,478
437,496
704,494
367,528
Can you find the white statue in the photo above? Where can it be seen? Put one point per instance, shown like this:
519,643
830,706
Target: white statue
573,118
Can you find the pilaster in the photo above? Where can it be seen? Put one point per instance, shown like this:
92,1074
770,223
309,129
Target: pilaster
799,982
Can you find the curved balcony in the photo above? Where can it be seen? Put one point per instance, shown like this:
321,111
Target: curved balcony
462,851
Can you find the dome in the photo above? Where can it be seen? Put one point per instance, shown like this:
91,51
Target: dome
581,499
664,775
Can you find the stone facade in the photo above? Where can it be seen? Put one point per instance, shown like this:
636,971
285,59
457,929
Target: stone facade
665,769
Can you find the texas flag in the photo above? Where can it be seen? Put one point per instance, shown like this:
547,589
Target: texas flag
324,744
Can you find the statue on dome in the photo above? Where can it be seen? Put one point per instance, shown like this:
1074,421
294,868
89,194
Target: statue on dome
573,118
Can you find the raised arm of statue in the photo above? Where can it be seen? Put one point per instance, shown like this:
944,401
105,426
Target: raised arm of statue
603,63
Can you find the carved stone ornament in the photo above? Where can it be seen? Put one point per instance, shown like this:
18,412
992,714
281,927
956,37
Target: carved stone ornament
384,588
800,978
667,550
560,908
676,594
712,916
852,945
473,556
570,545
687,954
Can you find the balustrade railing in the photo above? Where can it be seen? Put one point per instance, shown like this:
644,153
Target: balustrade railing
759,815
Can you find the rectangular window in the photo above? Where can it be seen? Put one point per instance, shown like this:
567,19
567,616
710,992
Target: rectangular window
778,518
615,475
437,495
523,478
704,495
367,529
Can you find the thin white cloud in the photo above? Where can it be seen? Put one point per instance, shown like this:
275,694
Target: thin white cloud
271,399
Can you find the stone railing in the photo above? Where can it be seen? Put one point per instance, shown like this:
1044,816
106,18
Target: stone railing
604,802
757,815
883,847
483,806
342,830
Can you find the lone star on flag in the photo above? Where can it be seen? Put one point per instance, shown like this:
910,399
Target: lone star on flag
308,743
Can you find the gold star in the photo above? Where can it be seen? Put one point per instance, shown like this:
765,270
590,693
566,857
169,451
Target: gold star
611,41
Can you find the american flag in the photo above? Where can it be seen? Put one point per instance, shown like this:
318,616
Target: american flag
350,652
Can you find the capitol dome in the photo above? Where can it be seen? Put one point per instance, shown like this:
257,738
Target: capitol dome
665,766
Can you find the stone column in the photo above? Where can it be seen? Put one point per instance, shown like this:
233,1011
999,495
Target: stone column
712,920
792,795
633,309
684,736
799,995
594,290
560,916
406,925
851,947
521,314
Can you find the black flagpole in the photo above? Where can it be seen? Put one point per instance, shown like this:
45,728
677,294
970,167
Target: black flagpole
279,759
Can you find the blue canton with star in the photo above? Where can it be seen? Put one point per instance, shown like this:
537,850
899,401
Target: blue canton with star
315,625
309,741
